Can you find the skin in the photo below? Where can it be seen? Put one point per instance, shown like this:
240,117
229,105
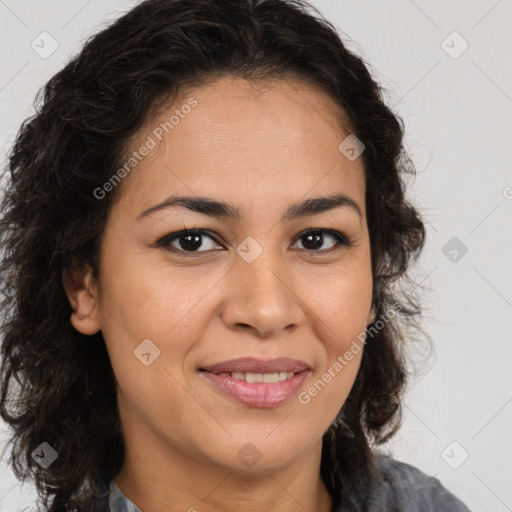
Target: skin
261,147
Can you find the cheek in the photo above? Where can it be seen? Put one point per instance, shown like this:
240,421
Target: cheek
342,314
145,292
147,301
342,303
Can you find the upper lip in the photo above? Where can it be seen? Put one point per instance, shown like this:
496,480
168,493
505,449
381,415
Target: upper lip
252,365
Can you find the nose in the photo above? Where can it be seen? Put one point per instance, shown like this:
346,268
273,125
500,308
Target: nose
262,297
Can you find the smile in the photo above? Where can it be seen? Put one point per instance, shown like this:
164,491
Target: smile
268,378
257,383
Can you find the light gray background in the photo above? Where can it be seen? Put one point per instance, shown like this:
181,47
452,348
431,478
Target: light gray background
458,114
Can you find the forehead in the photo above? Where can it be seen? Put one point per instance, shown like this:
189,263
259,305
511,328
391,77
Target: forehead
259,142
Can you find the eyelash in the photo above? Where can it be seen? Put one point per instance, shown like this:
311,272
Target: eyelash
341,240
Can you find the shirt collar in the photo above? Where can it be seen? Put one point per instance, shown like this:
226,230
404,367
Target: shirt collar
118,502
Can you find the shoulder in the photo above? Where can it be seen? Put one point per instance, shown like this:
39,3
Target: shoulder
403,487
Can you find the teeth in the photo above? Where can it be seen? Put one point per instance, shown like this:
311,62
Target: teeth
268,378
254,377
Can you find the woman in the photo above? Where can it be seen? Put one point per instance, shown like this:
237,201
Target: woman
202,234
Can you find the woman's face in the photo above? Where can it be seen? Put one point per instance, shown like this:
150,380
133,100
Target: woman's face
251,285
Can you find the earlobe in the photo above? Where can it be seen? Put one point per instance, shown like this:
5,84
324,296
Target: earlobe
81,291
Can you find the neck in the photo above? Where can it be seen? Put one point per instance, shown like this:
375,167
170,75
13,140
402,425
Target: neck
156,475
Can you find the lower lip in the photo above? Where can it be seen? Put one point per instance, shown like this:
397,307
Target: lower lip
258,394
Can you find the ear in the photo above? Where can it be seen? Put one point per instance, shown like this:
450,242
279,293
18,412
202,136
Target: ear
81,290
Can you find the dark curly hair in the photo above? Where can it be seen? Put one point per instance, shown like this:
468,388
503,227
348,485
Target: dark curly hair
57,386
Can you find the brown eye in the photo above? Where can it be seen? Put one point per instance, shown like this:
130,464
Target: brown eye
186,240
315,239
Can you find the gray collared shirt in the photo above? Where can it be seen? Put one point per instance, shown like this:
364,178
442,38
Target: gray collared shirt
403,488
118,502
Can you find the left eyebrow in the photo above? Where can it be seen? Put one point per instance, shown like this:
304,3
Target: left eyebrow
219,209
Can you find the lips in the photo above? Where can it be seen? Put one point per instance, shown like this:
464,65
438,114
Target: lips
253,382
253,365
